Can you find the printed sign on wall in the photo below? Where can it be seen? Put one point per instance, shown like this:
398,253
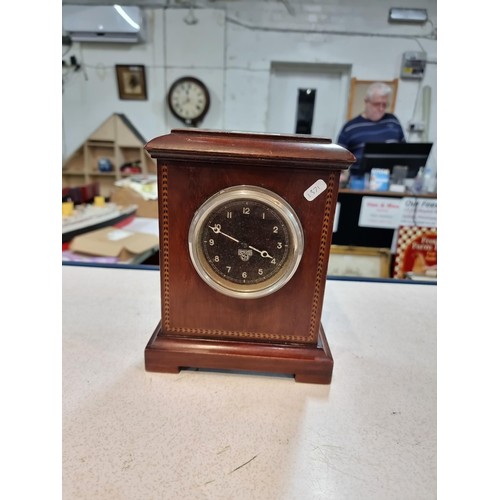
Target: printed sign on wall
418,212
380,211
416,253
390,213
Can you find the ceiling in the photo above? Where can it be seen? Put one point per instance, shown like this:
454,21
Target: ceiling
189,3
168,3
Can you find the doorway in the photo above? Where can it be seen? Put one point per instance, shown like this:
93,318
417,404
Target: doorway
330,83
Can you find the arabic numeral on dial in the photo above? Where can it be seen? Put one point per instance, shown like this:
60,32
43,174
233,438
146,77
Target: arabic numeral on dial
275,229
260,272
273,261
279,245
229,215
246,210
244,275
216,258
228,269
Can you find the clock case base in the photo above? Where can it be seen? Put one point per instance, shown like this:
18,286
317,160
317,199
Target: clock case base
312,364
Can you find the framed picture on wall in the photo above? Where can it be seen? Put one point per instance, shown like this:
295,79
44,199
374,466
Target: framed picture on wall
359,261
131,82
358,92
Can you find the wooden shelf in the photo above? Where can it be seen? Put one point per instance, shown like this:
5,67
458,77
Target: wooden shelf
116,140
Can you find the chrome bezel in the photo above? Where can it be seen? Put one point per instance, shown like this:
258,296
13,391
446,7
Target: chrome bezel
245,291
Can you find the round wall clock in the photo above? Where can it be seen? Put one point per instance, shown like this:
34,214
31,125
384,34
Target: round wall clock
246,241
188,99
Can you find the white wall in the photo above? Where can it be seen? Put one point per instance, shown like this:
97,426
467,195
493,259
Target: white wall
231,49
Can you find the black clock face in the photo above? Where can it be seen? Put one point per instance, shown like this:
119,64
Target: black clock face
189,100
246,242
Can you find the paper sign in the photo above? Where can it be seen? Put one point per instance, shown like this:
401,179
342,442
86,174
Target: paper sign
390,213
377,211
418,212
416,252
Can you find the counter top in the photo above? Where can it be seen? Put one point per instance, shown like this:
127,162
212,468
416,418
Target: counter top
131,434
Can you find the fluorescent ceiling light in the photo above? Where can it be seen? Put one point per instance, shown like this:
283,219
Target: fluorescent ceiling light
403,15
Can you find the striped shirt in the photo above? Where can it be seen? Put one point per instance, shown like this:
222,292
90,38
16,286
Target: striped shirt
358,131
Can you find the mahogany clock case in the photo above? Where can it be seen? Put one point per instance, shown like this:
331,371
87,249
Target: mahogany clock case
193,165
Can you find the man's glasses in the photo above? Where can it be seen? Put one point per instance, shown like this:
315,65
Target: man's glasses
378,104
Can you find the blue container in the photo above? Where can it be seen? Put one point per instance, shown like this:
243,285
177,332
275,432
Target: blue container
356,182
104,165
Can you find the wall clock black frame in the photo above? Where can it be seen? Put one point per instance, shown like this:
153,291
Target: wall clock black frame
245,225
189,100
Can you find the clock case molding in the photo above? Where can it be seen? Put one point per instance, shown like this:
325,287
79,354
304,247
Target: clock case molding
202,328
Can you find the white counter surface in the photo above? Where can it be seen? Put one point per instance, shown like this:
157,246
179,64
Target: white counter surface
134,435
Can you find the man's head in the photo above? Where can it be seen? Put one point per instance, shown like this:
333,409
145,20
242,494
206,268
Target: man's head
376,99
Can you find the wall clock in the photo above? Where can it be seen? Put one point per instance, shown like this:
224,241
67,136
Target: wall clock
188,99
245,225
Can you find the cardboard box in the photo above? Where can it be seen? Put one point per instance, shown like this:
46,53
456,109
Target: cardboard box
113,242
126,196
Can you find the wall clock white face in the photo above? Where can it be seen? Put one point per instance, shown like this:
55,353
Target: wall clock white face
189,100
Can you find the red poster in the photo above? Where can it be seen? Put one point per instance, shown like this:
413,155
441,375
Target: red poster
416,253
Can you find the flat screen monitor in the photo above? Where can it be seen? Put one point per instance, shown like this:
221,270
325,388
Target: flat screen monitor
388,154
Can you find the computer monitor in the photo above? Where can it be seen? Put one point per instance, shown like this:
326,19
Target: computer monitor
389,154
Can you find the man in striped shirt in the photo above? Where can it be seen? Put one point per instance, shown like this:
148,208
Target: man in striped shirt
372,125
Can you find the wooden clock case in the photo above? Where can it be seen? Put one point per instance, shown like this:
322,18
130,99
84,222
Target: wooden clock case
202,328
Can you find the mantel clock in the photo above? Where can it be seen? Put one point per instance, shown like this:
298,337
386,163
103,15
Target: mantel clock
245,231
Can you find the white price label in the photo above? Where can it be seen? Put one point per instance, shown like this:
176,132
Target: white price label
315,190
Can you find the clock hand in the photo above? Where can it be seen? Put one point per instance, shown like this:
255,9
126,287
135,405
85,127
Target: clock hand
263,253
216,230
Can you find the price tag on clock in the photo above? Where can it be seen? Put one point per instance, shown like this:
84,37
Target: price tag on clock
315,190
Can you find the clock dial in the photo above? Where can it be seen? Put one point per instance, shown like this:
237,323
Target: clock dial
188,99
246,242
238,259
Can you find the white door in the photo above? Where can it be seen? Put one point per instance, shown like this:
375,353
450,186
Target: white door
331,83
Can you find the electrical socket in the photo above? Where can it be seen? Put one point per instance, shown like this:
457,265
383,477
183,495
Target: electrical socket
416,126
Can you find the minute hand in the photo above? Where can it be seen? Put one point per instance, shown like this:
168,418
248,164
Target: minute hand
263,253
216,230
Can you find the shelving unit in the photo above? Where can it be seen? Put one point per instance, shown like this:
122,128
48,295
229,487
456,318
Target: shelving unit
116,140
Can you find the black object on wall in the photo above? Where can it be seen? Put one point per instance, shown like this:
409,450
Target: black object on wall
349,233
305,111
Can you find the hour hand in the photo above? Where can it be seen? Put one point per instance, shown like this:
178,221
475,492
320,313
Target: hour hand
263,253
217,230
